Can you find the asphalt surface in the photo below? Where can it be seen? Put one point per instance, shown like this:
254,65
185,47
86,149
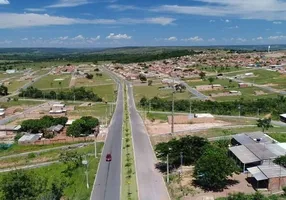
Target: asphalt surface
151,185
108,178
194,91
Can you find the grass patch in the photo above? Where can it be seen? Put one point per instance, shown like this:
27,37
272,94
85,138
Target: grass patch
76,189
15,84
49,82
280,137
155,91
97,110
19,103
16,149
97,80
105,91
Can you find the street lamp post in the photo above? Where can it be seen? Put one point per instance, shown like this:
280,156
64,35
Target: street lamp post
168,171
85,163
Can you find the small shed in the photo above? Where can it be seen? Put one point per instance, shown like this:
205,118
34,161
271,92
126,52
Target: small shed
58,109
29,138
56,129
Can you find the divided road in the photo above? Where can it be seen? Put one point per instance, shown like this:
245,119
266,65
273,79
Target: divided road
108,177
151,185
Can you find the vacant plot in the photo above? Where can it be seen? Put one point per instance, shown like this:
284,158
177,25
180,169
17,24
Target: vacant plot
15,84
157,91
53,81
6,76
107,92
100,111
97,80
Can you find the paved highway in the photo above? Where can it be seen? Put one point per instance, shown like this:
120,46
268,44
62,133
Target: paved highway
151,185
108,178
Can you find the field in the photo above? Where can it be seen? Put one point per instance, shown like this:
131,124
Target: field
48,82
15,84
97,80
99,111
76,189
154,91
19,103
105,91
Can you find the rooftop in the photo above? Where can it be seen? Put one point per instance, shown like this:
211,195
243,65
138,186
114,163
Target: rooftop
244,154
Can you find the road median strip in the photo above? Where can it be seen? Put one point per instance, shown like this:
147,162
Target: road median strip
129,190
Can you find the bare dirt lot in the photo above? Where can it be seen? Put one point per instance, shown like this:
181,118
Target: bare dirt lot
157,128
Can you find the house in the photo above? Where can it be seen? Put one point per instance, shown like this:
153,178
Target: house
11,71
58,109
243,85
56,129
2,113
269,176
283,118
29,138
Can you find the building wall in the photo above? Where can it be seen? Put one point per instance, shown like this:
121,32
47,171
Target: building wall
273,184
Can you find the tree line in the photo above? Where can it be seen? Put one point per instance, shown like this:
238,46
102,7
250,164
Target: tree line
275,106
212,164
83,127
79,94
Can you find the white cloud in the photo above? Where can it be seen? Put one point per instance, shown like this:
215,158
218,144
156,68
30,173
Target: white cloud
277,22
113,36
245,9
241,40
35,9
227,21
6,42
212,21
79,37
233,27
123,7
5,2
212,40
259,38
25,39
173,38
277,37
194,39
68,3
15,20
63,38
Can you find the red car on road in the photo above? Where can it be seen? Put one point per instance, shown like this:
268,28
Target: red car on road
108,157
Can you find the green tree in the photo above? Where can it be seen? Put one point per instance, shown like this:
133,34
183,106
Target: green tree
82,126
213,168
281,160
3,90
142,78
21,185
202,75
264,124
211,80
72,160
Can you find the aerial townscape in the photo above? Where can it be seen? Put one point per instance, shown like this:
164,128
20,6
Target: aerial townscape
151,100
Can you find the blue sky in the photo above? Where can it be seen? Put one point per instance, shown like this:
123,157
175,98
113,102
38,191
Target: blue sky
114,23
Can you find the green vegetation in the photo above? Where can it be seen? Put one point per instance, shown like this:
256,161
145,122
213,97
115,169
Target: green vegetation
157,90
53,81
3,90
279,136
15,84
19,102
96,80
129,185
274,106
99,110
40,125
82,127
264,124
213,168
106,92
67,178
79,94
281,160
256,196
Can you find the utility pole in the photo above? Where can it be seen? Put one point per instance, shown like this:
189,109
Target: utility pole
173,105
85,162
181,156
168,178
106,116
95,146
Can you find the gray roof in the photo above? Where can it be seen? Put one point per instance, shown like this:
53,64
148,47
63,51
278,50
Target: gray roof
243,154
277,149
56,128
251,138
257,173
29,138
261,151
263,172
243,139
